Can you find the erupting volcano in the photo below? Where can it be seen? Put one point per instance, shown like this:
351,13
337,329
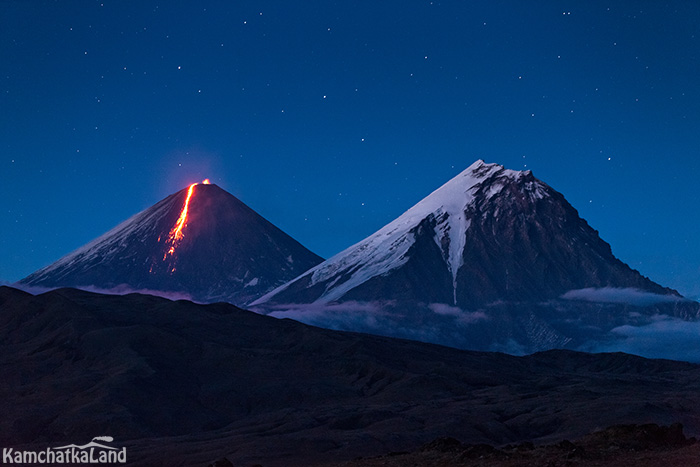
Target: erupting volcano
201,241
176,234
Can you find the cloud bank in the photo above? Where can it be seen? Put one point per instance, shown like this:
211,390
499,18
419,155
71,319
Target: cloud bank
465,317
666,337
121,289
437,323
341,316
628,295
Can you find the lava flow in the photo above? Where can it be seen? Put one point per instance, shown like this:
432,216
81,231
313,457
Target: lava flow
176,235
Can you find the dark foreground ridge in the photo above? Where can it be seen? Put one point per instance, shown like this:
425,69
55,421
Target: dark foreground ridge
178,383
621,445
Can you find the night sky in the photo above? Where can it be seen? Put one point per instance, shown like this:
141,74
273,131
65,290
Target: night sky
332,118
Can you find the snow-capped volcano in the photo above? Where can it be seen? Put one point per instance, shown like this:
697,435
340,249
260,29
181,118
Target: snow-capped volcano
488,234
483,258
201,241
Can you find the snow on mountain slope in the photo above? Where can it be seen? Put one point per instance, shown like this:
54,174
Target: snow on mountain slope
113,242
387,249
201,241
495,259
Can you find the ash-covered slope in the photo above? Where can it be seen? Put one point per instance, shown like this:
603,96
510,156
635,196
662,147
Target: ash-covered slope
201,241
474,251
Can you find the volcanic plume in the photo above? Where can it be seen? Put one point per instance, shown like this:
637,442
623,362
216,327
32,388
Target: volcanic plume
201,241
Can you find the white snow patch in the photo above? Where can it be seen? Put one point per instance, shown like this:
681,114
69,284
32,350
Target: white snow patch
386,249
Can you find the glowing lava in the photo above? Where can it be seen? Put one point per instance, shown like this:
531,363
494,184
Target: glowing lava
176,232
176,235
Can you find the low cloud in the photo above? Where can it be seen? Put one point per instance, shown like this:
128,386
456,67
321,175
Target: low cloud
121,289
456,312
509,346
386,318
124,289
665,337
628,295
444,309
341,316
34,290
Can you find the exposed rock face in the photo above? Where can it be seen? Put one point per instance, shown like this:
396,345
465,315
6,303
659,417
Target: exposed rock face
647,445
529,244
227,252
488,234
640,437
481,263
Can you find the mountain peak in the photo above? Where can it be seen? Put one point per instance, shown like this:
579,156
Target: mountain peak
201,241
482,166
447,209
488,234
481,170
486,261
490,178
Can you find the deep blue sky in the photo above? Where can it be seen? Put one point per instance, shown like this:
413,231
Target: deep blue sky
331,118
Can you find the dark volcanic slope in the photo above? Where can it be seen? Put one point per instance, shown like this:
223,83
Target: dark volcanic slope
489,234
183,384
488,261
228,252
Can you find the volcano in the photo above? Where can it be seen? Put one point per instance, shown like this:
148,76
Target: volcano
495,259
201,242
